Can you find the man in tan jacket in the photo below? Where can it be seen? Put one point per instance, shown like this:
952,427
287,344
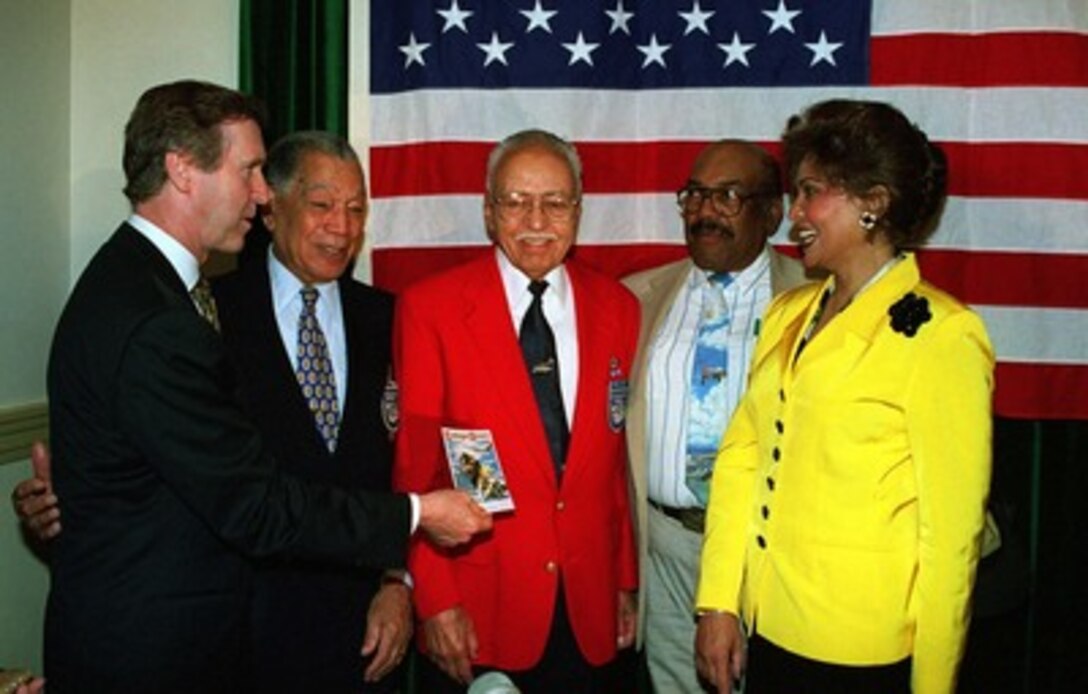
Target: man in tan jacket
700,318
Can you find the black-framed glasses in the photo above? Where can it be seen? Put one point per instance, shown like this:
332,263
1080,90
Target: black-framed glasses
516,206
727,201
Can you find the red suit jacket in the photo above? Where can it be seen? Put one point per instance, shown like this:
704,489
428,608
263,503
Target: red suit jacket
459,365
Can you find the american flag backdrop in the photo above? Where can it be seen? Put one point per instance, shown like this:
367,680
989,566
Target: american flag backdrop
641,85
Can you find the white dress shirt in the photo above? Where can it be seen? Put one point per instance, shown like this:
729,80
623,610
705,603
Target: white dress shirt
179,257
559,310
668,372
287,305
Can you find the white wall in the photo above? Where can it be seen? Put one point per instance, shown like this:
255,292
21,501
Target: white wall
70,72
34,206
34,59
119,49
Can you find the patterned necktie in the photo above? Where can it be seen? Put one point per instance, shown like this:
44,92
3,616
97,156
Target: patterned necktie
205,302
707,402
538,349
314,370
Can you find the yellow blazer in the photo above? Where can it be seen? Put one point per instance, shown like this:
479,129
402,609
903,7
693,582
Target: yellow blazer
849,492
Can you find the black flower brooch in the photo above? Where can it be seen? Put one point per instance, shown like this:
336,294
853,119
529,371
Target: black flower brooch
909,313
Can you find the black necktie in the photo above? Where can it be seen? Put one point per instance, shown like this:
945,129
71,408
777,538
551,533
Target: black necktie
538,349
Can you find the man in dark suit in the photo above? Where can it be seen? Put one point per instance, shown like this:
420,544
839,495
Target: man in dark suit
165,483
548,595
311,620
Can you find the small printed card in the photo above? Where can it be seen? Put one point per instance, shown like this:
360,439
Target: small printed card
475,468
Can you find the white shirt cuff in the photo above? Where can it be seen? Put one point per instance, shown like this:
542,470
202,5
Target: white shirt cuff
414,501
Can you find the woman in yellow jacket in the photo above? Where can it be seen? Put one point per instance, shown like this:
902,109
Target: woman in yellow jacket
848,497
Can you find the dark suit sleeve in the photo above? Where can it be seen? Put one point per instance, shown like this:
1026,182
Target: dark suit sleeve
175,400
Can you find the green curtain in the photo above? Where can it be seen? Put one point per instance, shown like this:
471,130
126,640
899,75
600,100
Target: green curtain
294,56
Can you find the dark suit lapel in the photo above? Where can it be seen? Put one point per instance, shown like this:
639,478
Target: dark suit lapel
366,343
264,346
131,242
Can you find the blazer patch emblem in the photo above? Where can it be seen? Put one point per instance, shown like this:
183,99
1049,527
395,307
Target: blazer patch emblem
909,313
391,405
617,396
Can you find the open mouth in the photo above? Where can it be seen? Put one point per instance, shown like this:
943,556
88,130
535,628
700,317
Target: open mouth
805,237
333,251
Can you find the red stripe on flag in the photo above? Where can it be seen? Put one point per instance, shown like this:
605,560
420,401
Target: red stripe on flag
1017,170
1025,170
999,279
1048,280
1030,58
459,168
1041,391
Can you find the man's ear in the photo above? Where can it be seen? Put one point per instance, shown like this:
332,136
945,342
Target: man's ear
179,170
489,218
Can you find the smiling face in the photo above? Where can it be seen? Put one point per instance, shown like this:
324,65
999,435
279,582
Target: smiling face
225,199
722,243
824,220
537,236
317,221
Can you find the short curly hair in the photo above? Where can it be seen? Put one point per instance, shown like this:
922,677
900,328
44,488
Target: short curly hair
862,144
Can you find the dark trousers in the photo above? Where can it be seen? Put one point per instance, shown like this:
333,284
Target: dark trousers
562,668
774,670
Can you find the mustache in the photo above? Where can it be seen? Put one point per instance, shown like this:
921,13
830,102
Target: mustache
705,227
536,236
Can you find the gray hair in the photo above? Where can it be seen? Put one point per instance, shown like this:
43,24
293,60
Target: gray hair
535,138
286,155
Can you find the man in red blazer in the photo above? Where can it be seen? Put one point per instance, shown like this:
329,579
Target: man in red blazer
547,595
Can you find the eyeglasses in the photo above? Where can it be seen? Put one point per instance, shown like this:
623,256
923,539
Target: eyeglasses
727,202
517,206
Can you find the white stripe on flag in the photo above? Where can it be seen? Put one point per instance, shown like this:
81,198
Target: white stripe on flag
891,17
1056,336
977,224
473,115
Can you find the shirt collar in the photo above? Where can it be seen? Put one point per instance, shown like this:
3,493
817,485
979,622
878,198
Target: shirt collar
745,281
184,263
286,285
516,283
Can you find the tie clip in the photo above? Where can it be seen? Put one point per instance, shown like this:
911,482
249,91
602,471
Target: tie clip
544,367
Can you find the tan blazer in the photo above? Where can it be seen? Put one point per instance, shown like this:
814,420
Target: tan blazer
656,290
